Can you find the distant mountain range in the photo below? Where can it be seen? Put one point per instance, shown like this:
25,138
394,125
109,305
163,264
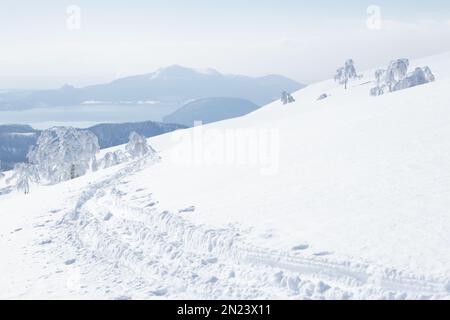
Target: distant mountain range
211,110
195,92
171,85
16,140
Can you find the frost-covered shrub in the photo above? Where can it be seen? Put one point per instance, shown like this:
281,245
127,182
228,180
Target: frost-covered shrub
64,153
396,77
23,175
322,96
138,147
346,73
418,77
112,159
286,98
429,76
377,91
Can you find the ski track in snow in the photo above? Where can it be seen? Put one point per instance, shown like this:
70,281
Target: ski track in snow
126,247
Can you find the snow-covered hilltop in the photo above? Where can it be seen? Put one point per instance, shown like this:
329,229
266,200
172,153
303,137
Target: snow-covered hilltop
338,194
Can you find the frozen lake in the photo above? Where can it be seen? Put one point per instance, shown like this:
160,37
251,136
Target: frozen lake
83,116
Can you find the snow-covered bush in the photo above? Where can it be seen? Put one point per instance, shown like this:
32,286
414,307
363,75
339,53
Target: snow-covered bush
418,77
286,98
112,159
322,96
138,147
396,77
64,153
346,73
23,175
377,91
429,76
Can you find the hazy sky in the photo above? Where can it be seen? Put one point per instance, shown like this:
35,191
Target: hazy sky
305,40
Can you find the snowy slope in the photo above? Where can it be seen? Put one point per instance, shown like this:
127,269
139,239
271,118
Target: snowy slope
351,203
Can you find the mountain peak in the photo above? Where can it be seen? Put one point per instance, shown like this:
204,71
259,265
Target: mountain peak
67,87
181,71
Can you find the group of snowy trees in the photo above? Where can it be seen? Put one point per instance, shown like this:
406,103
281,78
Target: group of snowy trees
396,77
63,154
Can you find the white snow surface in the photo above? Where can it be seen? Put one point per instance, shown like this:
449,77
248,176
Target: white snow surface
357,208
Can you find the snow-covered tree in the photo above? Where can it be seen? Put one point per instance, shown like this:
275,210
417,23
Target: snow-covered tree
346,73
396,72
64,153
396,77
379,76
138,147
23,175
286,98
112,159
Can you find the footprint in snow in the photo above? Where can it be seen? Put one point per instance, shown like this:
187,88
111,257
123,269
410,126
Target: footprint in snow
212,280
44,242
186,210
70,262
323,253
322,287
108,216
151,204
209,261
268,234
300,247
158,292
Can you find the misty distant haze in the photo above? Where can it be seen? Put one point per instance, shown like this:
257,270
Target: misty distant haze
303,40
